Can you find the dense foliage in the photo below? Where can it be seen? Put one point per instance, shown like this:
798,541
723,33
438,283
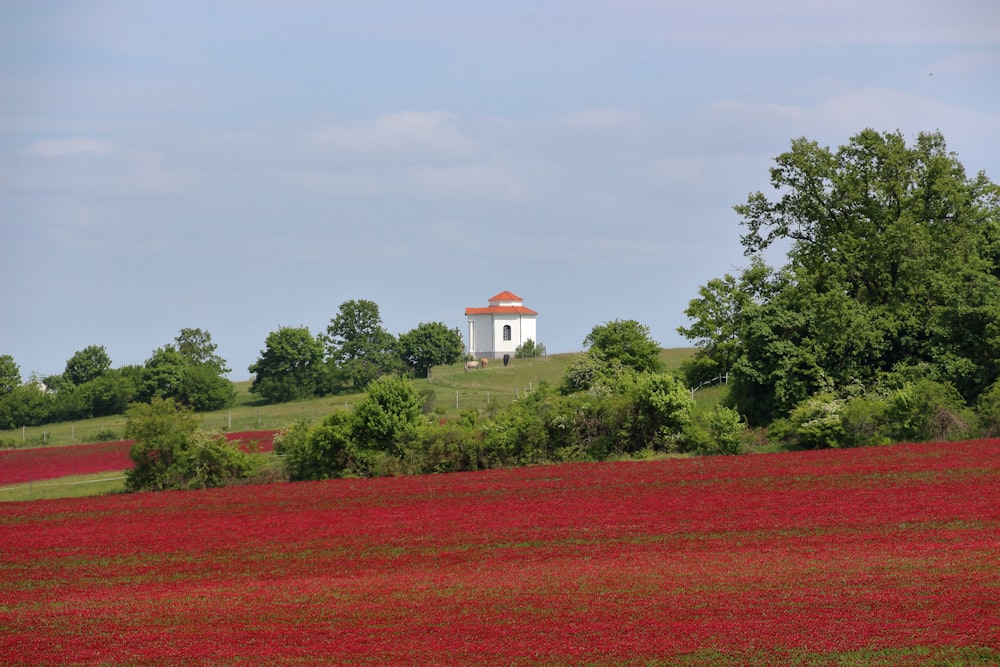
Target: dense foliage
430,344
891,287
354,351
622,408
289,367
187,371
170,452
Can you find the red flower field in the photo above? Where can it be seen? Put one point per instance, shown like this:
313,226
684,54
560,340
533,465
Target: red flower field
887,555
38,463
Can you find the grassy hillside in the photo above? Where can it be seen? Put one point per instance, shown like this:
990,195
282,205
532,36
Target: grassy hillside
455,391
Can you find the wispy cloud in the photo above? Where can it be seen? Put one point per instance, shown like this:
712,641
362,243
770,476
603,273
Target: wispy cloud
66,147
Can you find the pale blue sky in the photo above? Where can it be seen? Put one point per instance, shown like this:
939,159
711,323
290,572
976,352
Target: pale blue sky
240,166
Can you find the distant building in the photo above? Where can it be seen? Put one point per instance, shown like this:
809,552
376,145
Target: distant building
501,327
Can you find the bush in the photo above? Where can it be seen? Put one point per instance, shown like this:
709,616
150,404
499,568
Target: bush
449,447
170,453
864,422
529,349
927,410
387,416
317,452
988,408
813,424
660,409
210,460
721,431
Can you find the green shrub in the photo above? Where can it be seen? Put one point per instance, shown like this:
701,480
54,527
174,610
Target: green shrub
813,424
719,431
316,452
661,406
988,408
927,410
864,421
170,453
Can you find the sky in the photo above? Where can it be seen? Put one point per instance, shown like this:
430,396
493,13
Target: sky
238,167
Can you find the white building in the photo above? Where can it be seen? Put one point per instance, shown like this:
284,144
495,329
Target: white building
501,327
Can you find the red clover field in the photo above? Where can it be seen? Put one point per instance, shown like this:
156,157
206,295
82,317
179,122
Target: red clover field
884,555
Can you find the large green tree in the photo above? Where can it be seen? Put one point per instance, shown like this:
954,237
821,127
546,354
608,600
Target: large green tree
358,348
89,363
430,344
10,374
389,414
189,371
626,342
289,367
196,346
893,269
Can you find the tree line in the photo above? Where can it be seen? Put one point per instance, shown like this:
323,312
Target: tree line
187,370
883,324
354,350
615,400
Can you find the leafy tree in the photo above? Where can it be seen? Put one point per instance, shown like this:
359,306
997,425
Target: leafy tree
893,261
388,415
26,405
625,341
660,409
109,394
10,375
163,374
528,349
289,366
170,453
316,452
89,363
358,348
430,344
204,389
192,376
197,348
717,314
162,430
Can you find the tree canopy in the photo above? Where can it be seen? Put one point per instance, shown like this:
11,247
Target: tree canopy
289,367
892,274
626,342
430,344
89,363
358,348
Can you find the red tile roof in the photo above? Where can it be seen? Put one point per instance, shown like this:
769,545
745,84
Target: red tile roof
496,309
506,296
500,310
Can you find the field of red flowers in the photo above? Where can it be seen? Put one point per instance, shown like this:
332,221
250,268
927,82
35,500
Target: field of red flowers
40,463
887,555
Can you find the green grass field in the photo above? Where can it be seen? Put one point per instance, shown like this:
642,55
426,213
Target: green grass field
74,486
455,391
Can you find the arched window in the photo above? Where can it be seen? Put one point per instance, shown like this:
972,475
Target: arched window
506,332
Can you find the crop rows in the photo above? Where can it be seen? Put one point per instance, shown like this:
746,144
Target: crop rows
885,555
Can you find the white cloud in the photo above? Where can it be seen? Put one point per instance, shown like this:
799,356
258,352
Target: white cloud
408,136
604,120
964,62
66,147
